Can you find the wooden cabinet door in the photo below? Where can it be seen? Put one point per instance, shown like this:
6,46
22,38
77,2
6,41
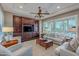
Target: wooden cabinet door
17,25
17,21
27,21
26,36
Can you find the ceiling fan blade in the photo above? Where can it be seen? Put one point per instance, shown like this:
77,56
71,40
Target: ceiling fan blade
33,13
45,13
39,16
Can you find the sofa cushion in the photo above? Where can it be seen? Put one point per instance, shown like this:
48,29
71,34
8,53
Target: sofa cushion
4,51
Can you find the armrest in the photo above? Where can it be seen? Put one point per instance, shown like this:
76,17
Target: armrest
15,47
65,52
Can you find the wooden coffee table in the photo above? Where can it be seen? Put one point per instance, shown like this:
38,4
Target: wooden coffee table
39,41
45,43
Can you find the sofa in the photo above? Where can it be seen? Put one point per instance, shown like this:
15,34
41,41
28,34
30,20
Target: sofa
72,48
16,50
68,49
58,38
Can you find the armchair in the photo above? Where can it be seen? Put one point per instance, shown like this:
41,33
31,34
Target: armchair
16,50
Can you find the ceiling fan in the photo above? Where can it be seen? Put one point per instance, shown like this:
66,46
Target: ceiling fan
40,13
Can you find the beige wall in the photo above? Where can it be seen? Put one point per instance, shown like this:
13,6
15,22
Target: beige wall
8,19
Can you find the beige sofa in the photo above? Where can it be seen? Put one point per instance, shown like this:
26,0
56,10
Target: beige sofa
57,38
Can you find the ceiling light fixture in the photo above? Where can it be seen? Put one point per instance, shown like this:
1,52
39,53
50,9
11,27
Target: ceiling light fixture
40,13
58,7
21,7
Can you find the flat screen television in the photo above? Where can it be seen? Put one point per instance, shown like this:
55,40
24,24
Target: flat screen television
28,28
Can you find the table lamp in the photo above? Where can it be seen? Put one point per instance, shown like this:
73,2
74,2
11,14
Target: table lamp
7,32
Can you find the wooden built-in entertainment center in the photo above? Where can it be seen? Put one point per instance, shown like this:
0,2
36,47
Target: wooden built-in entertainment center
20,22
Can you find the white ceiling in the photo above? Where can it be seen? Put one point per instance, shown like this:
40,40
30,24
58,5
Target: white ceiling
33,7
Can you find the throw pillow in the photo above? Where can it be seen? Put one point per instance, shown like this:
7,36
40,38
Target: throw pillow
8,37
73,45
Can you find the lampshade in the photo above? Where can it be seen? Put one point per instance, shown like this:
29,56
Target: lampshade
7,29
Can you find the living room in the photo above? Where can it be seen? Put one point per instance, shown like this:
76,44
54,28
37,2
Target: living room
39,29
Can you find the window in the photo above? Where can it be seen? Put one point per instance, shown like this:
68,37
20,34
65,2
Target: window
48,26
52,26
61,25
44,26
72,22
58,26
65,25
